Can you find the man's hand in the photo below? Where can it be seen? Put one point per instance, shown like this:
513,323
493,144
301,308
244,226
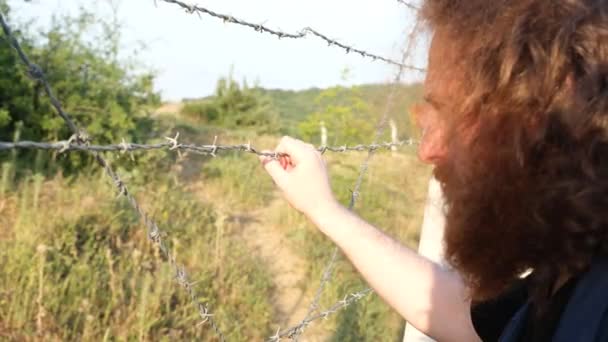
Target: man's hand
301,174
425,294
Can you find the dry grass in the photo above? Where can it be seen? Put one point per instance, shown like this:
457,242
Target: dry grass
78,265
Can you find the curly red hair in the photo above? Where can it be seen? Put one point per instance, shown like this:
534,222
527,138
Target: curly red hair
530,188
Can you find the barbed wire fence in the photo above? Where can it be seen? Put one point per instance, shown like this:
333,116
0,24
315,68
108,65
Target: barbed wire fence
408,5
173,144
80,137
80,141
295,331
303,33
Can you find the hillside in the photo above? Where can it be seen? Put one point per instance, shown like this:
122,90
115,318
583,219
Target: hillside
295,106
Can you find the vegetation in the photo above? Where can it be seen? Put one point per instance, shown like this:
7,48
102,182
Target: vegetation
77,264
234,106
108,96
343,112
289,110
296,106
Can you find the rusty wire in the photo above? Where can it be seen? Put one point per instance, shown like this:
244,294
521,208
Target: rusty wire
81,138
303,33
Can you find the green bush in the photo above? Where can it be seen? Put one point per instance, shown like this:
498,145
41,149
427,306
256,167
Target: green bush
235,106
345,114
203,111
102,93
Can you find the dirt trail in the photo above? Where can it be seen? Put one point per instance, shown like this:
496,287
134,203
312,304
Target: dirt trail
270,245
291,294
169,108
290,298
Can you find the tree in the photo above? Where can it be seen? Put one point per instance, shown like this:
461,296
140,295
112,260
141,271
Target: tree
235,106
79,56
345,114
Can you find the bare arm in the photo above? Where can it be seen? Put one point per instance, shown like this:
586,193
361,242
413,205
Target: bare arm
430,298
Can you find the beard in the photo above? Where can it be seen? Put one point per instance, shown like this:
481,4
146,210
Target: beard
492,233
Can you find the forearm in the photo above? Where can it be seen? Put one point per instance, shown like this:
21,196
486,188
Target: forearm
430,298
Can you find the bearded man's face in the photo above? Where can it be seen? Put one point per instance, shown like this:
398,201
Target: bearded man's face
485,186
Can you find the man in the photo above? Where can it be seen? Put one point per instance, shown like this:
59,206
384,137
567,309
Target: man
515,122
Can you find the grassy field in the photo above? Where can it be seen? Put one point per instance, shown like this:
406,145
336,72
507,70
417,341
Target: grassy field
77,265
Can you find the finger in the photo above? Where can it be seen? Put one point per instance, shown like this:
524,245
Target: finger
273,167
294,148
265,160
288,164
264,157
276,171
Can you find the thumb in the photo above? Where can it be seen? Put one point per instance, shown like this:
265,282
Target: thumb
275,170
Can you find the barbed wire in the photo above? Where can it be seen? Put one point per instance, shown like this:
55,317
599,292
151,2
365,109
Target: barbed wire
298,329
409,5
174,145
155,235
80,141
192,8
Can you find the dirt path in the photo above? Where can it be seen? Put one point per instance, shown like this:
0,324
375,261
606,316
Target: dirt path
291,294
290,297
169,108
269,243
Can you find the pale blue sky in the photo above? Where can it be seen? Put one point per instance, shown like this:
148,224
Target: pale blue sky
191,53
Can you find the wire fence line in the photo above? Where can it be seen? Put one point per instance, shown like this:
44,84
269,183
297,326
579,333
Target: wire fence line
80,142
303,33
174,145
295,331
409,5
155,235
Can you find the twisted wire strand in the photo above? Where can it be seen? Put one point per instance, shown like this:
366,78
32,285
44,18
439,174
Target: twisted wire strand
80,142
303,33
80,137
339,305
408,5
212,150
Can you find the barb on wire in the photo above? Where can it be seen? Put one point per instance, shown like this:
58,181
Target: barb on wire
409,5
328,271
191,8
80,137
173,145
295,331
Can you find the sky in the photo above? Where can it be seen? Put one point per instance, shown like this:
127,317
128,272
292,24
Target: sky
190,53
